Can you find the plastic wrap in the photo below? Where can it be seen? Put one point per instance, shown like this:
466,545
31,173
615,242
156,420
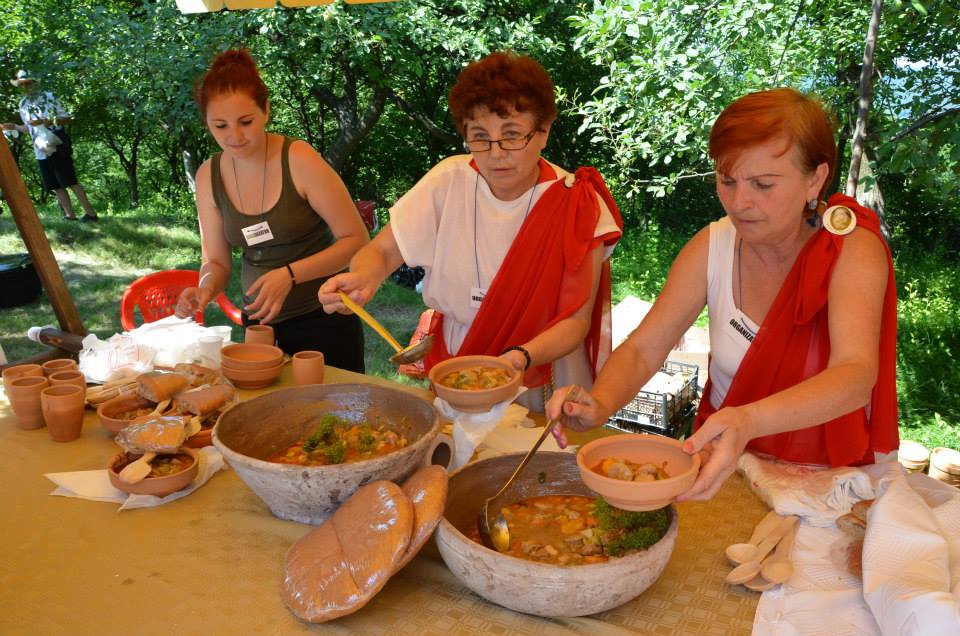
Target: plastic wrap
427,490
154,433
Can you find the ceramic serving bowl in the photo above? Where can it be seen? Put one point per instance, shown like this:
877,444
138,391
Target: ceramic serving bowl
250,357
252,379
252,431
665,452
111,411
473,401
526,586
156,486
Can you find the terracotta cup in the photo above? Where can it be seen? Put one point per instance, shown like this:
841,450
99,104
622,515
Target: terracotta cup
60,364
308,367
73,378
62,408
259,334
24,396
20,370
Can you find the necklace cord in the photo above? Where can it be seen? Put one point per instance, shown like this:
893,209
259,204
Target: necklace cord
263,184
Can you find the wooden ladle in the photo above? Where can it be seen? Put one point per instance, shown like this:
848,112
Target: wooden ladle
403,355
739,553
747,570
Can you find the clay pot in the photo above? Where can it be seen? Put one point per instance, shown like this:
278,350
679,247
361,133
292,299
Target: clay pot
201,439
62,407
308,367
665,452
111,409
259,334
156,486
72,378
478,400
24,396
538,588
250,357
20,370
255,379
60,364
913,456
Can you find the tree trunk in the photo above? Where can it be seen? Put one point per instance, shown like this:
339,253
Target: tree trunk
189,158
132,172
866,96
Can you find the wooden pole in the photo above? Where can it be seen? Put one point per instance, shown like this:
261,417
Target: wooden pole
34,237
865,98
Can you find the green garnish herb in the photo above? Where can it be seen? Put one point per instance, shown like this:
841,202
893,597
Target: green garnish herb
324,433
366,441
623,531
335,452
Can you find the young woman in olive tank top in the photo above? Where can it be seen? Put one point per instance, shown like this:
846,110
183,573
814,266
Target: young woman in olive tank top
284,207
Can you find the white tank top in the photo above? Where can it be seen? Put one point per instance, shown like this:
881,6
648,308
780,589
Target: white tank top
731,332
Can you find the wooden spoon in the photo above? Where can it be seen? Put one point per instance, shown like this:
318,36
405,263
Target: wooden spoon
739,553
749,569
778,568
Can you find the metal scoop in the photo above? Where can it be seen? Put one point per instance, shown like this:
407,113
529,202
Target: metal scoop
403,355
497,535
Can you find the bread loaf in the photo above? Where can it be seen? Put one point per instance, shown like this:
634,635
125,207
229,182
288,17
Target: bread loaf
338,567
204,401
853,526
860,509
427,489
157,387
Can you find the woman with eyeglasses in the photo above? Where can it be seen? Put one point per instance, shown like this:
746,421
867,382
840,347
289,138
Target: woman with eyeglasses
514,248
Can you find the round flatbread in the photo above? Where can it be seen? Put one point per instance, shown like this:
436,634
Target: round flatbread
339,566
427,489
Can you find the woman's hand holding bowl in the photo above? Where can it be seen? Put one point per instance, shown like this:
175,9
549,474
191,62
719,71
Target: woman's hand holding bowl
721,440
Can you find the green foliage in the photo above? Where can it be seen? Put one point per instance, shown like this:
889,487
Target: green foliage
623,531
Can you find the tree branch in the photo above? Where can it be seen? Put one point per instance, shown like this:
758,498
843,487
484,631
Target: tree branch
431,127
929,118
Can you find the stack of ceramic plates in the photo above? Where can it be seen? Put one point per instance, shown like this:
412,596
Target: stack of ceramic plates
913,456
945,465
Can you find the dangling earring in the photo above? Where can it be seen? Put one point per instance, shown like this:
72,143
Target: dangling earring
812,204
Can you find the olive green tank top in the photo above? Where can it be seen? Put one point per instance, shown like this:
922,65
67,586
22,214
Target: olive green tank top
298,232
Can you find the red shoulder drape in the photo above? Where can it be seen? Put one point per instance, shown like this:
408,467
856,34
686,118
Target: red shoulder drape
793,344
545,277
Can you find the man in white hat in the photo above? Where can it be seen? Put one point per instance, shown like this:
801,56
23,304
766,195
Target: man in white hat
42,113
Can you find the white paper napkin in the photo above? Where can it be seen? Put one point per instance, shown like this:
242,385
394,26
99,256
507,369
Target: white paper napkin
95,484
469,429
816,493
911,570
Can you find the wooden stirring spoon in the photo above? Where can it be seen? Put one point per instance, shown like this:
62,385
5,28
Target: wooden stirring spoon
738,553
748,570
778,568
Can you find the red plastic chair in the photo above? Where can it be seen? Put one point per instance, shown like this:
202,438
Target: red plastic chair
368,212
156,295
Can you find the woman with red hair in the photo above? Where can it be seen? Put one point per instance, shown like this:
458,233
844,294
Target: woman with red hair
514,247
801,301
286,209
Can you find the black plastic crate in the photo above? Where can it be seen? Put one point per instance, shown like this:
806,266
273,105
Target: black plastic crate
664,414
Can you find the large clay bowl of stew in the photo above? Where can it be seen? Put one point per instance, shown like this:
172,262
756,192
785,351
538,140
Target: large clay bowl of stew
527,586
252,432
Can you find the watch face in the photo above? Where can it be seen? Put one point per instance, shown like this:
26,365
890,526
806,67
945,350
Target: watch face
839,220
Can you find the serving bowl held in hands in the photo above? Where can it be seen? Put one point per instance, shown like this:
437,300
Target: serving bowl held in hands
527,586
474,397
664,452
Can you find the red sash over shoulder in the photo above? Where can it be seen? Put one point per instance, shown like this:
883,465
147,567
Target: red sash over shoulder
793,344
545,277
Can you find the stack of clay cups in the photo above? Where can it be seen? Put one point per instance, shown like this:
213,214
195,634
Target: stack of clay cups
945,465
913,456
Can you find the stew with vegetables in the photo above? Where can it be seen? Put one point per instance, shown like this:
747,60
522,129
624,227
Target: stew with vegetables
476,378
339,441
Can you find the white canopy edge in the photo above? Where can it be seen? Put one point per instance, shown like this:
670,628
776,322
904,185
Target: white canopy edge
207,6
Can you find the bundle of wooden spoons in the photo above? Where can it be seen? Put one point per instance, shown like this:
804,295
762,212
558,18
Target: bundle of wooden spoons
764,561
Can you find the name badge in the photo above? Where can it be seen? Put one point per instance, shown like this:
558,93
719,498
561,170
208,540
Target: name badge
257,233
476,296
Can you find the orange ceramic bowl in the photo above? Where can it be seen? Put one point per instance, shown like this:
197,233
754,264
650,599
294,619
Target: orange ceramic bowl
156,486
478,400
638,495
111,410
250,357
252,379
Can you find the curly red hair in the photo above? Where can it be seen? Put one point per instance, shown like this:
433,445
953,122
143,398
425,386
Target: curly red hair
502,82
779,113
230,72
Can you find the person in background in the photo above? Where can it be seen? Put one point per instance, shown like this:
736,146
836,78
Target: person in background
514,248
285,208
802,320
41,110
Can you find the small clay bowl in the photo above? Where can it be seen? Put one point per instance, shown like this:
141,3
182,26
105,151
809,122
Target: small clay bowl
259,334
665,452
250,357
20,371
71,377
256,379
111,409
203,438
156,486
479,400
60,364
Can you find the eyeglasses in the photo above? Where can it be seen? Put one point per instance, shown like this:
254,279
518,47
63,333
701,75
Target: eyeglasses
507,143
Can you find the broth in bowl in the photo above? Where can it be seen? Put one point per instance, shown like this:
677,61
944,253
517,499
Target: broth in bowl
339,441
476,378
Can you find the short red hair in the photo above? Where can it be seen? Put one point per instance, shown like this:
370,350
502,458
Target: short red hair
232,71
779,113
502,82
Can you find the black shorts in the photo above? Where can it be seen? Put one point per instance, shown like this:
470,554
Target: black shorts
57,170
338,336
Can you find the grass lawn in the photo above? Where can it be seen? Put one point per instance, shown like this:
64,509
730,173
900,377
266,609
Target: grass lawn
99,260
